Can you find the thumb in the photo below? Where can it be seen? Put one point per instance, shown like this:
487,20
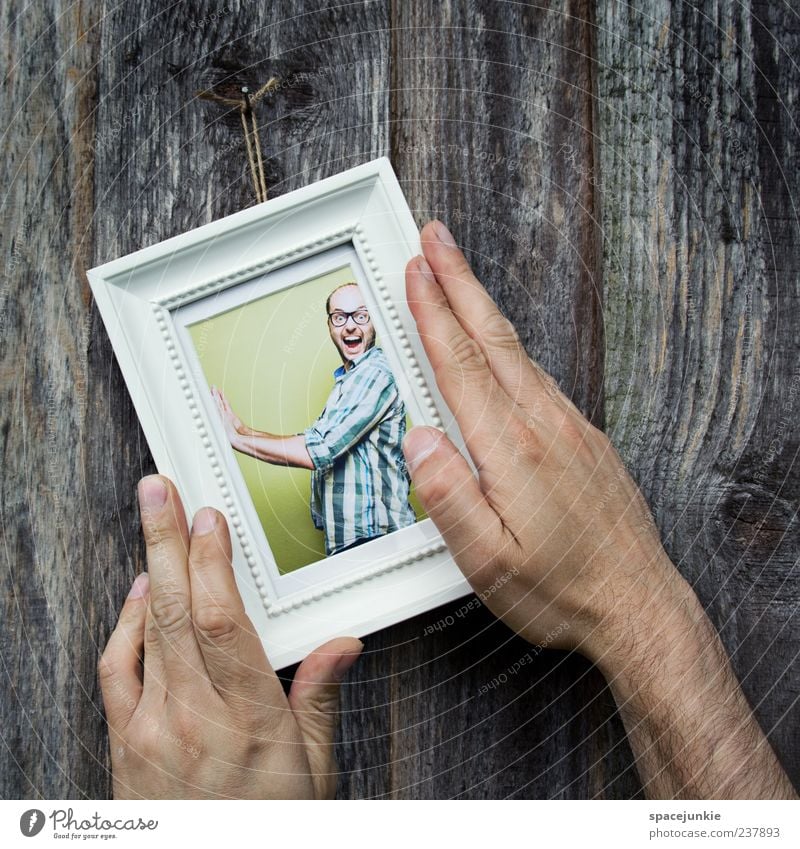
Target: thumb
314,700
451,495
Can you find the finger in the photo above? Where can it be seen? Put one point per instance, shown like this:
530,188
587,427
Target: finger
526,383
490,422
314,700
120,667
154,678
167,541
451,496
232,651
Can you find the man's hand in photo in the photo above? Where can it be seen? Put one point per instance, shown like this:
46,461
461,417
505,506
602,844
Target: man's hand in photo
230,421
193,706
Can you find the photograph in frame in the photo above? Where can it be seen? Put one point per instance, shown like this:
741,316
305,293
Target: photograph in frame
304,367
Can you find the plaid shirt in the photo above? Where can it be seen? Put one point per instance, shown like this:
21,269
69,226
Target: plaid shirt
359,486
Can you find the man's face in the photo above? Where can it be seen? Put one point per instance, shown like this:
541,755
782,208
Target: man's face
351,339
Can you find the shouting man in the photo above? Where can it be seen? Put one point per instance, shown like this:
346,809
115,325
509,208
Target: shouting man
359,482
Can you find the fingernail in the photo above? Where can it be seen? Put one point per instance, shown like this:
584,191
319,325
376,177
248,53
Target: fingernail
205,521
345,662
444,235
425,270
140,586
152,493
419,443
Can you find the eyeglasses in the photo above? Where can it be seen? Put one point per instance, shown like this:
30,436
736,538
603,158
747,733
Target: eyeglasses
339,319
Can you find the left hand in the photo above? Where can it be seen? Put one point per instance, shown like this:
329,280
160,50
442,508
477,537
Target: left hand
230,421
193,706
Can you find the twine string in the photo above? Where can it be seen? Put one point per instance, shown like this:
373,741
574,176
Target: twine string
251,157
251,133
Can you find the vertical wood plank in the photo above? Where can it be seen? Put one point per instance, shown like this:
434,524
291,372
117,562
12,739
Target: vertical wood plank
50,612
699,161
493,133
189,164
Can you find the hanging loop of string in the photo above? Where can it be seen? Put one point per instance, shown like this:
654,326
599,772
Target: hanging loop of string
252,142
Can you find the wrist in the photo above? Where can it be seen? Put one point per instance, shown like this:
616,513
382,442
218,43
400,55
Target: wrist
664,651
643,625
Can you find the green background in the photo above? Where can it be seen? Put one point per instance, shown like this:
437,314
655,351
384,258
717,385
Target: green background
274,360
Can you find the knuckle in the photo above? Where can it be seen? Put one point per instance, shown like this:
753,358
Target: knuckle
575,432
217,624
106,668
437,489
209,552
458,266
170,612
499,332
514,429
153,525
159,527
324,702
184,730
466,355
534,453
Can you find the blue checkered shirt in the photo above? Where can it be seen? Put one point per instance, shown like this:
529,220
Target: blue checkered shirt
359,486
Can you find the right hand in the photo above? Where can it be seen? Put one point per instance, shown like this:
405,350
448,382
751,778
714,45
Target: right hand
553,534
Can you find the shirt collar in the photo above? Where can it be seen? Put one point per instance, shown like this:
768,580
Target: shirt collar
341,371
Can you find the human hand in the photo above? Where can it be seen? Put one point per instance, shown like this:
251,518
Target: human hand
553,534
193,706
230,421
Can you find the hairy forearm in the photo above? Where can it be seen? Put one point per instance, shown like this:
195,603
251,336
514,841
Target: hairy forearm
279,450
689,724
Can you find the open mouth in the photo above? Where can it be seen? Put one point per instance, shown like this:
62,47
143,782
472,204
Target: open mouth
351,343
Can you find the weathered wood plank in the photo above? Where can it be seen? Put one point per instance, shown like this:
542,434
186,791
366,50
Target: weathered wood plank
699,162
493,134
330,112
49,618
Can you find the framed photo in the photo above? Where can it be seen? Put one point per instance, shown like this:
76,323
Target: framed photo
275,368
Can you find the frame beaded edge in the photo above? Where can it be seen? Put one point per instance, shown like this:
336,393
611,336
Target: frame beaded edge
163,307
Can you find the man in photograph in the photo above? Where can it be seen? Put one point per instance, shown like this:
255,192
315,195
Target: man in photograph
359,482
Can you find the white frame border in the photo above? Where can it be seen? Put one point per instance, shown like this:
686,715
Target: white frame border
138,296
273,587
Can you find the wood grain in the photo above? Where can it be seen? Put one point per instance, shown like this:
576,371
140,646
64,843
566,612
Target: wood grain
699,161
492,115
52,603
624,183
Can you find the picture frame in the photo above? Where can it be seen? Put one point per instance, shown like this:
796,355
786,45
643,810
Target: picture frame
151,303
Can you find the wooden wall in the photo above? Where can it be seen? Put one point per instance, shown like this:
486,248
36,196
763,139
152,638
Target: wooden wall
625,182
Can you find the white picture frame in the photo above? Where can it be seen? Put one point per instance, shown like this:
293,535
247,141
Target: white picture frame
146,300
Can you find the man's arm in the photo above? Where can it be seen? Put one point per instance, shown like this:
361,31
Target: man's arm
688,722
556,538
269,447
365,401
